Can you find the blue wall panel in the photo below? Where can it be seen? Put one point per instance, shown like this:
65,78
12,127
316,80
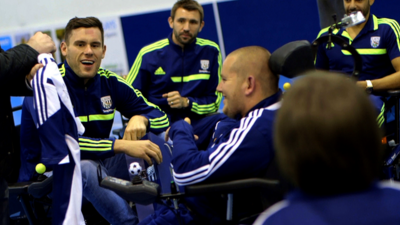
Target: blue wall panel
387,8
270,24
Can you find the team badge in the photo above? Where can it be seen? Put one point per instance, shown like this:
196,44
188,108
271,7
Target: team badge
106,102
204,64
375,41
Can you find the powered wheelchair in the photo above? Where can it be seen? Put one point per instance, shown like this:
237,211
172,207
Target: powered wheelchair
290,60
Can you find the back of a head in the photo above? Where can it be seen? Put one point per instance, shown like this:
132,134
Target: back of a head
255,60
326,136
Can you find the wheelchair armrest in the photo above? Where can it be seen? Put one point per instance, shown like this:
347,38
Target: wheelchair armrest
19,188
117,131
233,186
395,93
144,192
40,189
36,189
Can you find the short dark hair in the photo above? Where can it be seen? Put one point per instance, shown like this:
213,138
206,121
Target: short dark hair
189,5
87,22
327,139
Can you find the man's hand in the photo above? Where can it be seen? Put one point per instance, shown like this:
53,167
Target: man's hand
144,149
187,120
42,43
34,69
136,128
175,100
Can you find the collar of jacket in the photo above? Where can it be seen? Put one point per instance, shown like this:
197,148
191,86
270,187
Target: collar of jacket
265,103
371,25
72,77
179,48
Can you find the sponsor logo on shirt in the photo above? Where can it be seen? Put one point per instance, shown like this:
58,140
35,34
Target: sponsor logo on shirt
204,65
375,41
106,102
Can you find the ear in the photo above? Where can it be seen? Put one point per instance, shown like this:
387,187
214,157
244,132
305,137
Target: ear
63,48
371,2
249,85
171,22
201,25
104,52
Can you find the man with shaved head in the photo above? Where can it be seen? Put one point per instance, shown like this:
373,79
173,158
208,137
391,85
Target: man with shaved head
242,146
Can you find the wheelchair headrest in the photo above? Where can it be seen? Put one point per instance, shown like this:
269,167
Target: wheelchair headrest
292,59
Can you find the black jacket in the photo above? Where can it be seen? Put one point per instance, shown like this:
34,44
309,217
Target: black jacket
15,64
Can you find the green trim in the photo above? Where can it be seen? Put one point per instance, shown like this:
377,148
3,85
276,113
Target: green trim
203,42
163,119
192,77
326,29
160,122
81,140
138,61
98,117
323,31
96,149
381,117
376,23
213,107
395,27
367,51
159,71
106,73
139,94
204,109
94,145
62,70
347,35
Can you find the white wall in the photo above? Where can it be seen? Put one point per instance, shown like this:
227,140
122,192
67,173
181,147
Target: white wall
16,14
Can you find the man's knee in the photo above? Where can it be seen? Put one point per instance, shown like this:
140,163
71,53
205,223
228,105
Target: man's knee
89,171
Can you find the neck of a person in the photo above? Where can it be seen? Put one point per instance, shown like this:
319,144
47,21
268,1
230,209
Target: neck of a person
355,30
253,100
177,42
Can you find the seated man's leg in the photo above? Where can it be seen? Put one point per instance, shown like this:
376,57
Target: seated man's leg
110,205
117,166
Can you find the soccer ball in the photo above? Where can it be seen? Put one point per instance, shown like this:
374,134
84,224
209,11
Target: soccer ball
135,168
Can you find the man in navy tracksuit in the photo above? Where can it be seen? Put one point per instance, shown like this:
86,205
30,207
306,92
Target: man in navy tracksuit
95,94
329,147
377,42
181,73
241,147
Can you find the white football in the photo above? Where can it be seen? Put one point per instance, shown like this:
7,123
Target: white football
135,168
